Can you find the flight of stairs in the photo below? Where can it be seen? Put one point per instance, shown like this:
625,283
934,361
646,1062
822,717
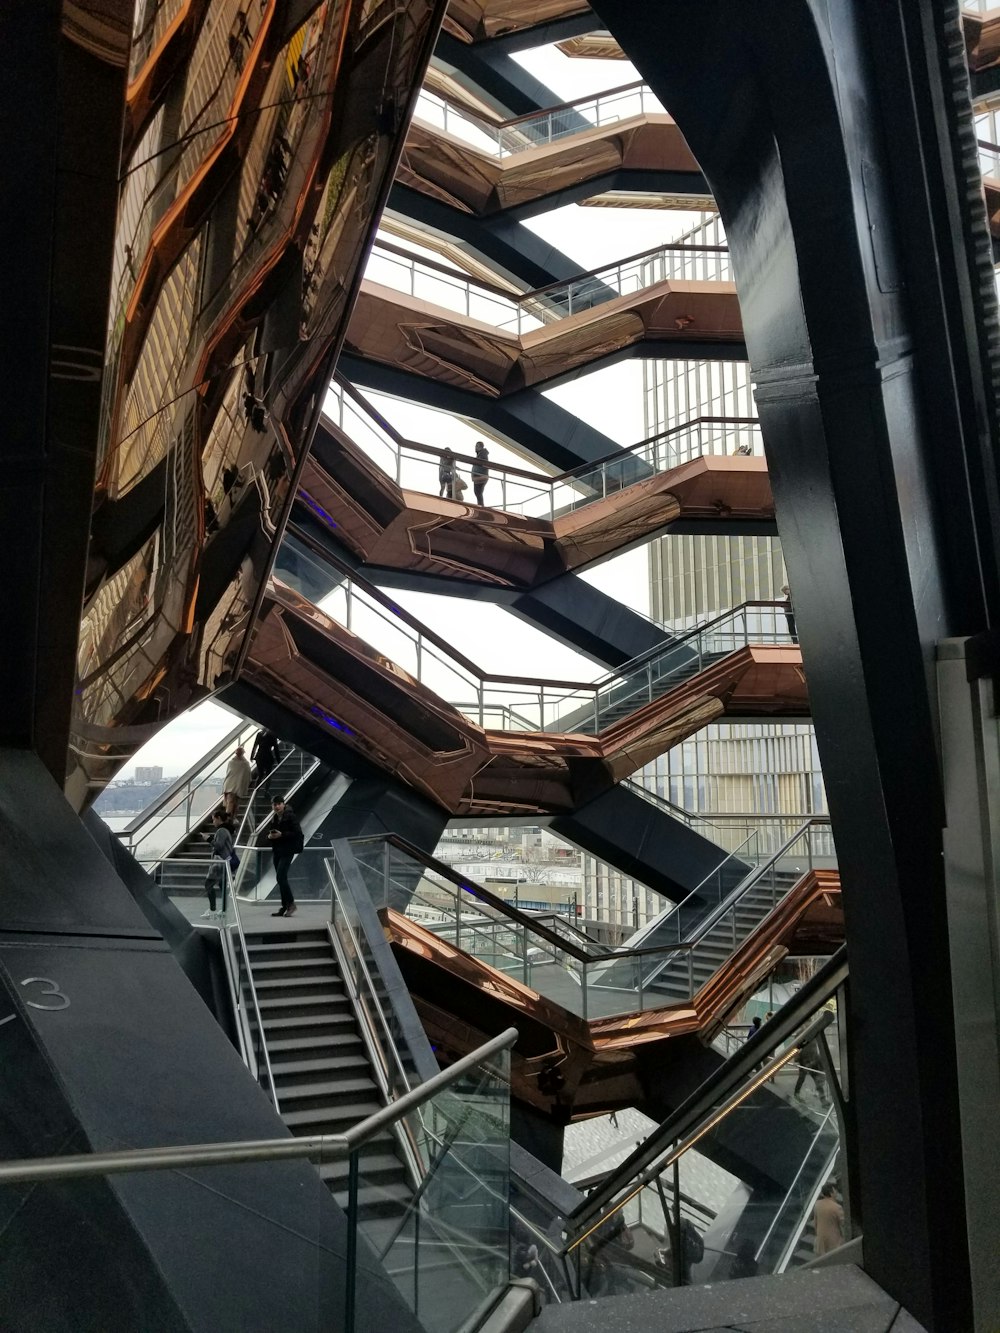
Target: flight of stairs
321,1068
189,879
715,947
622,699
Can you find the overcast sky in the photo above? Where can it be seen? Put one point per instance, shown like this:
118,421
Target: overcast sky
609,399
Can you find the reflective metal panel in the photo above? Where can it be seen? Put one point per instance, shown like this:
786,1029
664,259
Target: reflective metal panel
258,157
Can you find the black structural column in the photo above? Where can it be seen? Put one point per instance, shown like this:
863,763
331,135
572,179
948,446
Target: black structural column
61,108
858,292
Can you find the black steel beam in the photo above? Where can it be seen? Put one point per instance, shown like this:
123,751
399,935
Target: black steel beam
856,269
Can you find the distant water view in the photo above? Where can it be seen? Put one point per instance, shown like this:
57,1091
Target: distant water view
154,842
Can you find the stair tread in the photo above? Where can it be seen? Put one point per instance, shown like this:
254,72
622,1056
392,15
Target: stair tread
299,1068
330,1050
360,1108
384,1162
352,1112
266,965
309,1021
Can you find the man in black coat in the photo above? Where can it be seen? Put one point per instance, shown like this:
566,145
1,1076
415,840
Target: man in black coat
285,836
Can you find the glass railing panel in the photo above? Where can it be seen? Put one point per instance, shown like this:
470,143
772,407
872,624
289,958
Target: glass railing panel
800,1141
446,1245
436,112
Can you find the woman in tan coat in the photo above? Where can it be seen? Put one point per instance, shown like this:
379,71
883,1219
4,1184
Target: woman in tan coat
828,1220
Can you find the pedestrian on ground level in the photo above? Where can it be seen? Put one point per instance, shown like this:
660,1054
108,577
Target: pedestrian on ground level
285,836
446,474
236,783
480,471
828,1220
222,851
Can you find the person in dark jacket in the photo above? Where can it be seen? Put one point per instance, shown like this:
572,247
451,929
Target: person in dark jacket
285,836
266,753
480,471
446,474
222,851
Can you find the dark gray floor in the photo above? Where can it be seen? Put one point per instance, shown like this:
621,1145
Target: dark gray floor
841,1299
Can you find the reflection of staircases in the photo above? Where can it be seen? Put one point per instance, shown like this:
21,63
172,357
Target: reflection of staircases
321,1067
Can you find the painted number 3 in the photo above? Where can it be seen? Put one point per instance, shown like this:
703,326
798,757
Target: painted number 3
50,990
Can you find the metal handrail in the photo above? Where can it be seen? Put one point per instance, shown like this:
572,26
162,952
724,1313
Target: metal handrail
245,954
617,455
315,1147
141,825
351,578
521,303
751,879
795,1179
514,914
783,1026
335,896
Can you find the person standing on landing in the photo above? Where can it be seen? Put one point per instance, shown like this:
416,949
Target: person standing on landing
446,474
236,783
222,851
480,471
285,836
789,614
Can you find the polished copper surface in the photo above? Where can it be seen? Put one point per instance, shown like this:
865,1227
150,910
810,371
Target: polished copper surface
246,205
982,38
386,525
320,670
477,20
592,46
463,1001
406,332
451,170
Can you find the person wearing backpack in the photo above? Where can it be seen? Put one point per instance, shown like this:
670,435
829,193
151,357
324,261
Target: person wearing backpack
222,852
286,838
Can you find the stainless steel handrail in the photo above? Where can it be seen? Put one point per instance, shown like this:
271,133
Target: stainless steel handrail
671,1154
315,1147
245,955
795,1180
180,783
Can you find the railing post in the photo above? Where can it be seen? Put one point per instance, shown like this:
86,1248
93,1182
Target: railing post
352,1242
458,919
583,977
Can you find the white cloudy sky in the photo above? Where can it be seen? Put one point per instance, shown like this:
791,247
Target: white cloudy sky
609,399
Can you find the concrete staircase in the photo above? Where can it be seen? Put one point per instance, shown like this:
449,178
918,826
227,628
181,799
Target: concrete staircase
321,1068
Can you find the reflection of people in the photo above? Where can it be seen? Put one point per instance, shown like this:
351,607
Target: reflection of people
745,1262
811,1066
236,783
480,471
285,836
692,1249
828,1220
789,615
446,474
